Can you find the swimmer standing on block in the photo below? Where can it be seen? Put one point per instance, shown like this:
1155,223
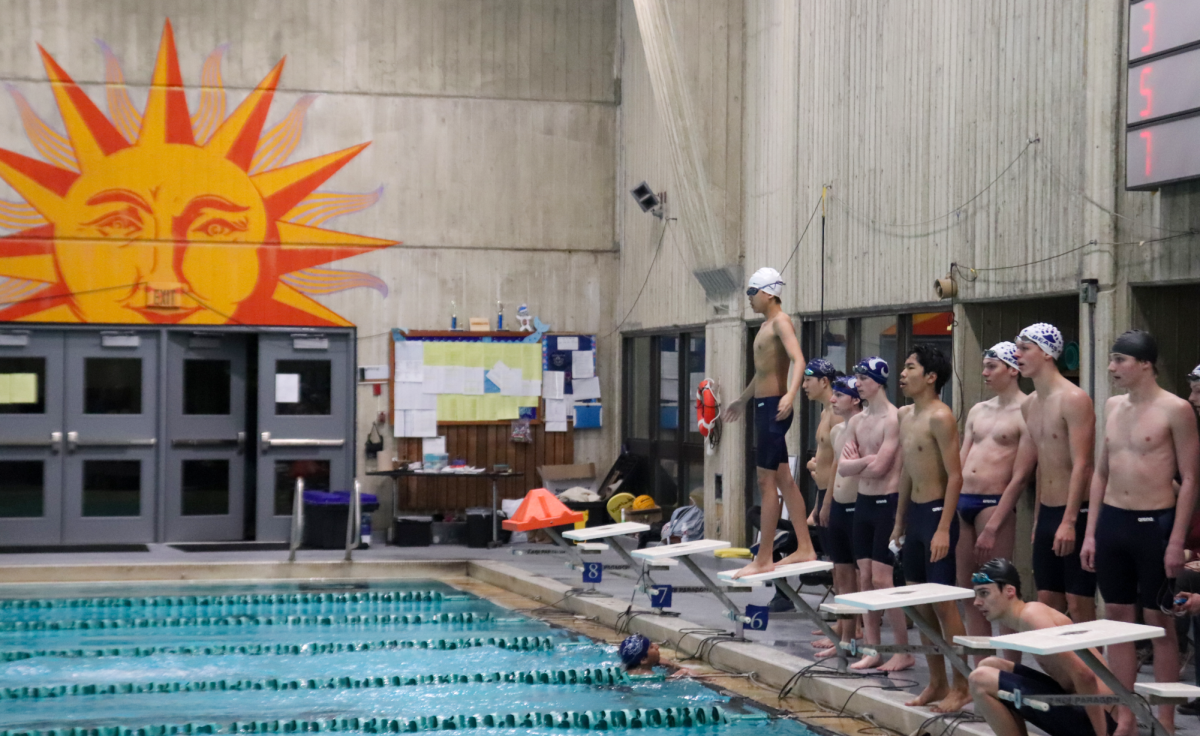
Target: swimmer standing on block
776,349
1135,536
1062,423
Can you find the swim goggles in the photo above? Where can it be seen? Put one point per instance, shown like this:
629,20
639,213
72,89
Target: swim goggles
982,578
755,289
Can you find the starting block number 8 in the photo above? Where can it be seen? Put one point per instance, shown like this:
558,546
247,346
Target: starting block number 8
593,572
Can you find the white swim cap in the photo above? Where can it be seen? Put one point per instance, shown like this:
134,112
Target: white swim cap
768,280
1004,352
1045,336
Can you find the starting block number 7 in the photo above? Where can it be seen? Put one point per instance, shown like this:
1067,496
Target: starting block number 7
593,572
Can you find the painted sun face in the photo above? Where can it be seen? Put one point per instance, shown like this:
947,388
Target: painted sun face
163,229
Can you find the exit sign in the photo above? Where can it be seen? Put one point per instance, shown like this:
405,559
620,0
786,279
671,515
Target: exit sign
164,296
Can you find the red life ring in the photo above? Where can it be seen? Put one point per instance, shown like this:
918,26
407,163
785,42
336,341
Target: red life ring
708,406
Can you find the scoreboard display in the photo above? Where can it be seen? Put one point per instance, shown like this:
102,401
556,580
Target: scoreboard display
1162,117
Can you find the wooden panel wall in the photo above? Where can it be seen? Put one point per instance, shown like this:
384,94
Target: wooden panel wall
1172,315
483,445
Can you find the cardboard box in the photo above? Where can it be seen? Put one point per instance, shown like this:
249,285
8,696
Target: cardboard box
558,478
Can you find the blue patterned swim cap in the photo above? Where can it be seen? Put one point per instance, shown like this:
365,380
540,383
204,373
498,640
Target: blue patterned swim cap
1045,336
820,368
875,368
633,650
847,385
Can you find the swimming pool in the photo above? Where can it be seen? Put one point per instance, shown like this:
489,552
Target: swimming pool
377,657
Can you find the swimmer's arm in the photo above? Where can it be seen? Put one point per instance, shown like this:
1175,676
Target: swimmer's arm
1081,436
968,431
787,335
945,433
842,466
1187,458
880,464
1023,465
904,491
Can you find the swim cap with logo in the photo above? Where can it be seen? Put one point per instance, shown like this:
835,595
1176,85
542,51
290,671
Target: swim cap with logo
820,368
767,280
1195,374
1005,352
633,650
1137,344
1045,336
874,367
847,385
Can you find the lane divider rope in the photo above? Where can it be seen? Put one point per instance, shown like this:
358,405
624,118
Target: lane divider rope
177,601
373,619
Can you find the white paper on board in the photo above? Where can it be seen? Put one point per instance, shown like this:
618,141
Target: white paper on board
433,380
556,426
434,445
583,364
556,410
424,424
567,343
409,371
533,387
514,384
588,388
552,384
409,397
473,381
452,379
287,388
498,375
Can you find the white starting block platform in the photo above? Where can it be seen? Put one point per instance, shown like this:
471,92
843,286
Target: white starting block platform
592,548
1073,637
780,571
604,532
904,596
672,551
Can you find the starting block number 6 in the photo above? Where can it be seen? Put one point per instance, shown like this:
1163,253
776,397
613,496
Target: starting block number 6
758,615
593,572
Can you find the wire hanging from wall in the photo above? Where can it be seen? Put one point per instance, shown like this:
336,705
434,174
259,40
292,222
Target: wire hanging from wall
657,249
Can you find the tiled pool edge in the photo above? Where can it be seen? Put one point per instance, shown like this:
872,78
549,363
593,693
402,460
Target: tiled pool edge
770,666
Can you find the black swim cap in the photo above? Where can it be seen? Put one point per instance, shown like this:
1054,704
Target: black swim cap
1137,344
999,571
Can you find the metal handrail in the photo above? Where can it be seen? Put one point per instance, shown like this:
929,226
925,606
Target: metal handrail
297,520
354,522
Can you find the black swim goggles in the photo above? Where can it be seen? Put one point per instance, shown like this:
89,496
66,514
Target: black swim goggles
754,289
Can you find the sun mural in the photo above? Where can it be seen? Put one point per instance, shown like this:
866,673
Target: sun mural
168,218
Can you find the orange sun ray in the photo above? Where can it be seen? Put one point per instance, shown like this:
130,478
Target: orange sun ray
92,136
237,137
166,118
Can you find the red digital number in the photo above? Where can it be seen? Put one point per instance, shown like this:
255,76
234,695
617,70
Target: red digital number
1148,137
1146,91
1149,28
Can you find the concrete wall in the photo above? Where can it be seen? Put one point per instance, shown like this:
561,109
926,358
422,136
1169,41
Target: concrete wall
492,126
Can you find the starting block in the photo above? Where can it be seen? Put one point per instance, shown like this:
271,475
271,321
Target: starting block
777,576
585,538
906,598
1081,639
683,553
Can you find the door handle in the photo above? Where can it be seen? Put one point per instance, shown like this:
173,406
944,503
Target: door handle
54,443
267,443
209,442
74,443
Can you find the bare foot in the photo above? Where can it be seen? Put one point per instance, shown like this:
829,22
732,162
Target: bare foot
1126,727
816,632
822,643
954,701
899,662
826,653
867,663
754,568
929,695
800,555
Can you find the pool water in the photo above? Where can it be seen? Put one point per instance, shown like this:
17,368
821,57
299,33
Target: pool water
376,657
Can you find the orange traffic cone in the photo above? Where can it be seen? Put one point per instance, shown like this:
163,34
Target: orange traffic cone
539,510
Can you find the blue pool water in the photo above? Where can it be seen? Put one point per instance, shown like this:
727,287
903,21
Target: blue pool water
375,657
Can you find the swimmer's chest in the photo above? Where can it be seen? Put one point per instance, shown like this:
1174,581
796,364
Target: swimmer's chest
1137,430
998,427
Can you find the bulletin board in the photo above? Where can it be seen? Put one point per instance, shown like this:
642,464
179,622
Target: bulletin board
569,365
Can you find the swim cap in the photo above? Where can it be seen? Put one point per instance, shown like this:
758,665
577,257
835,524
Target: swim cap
1137,344
618,502
847,385
1004,352
1047,337
874,367
820,368
633,650
643,502
999,571
767,280
1195,374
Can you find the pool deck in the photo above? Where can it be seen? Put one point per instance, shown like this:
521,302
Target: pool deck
540,578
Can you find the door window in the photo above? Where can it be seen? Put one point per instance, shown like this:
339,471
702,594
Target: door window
22,488
22,385
314,472
303,387
206,387
112,487
112,386
205,485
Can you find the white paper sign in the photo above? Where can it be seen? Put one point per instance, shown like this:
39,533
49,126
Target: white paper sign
552,384
409,396
434,445
533,387
498,375
556,410
472,381
287,388
513,383
409,371
433,380
424,424
588,388
556,426
452,380
583,364
568,343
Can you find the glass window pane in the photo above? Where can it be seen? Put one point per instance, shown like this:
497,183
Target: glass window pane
305,387
22,488
836,347
206,387
22,385
205,486
112,487
668,391
877,336
695,374
314,472
935,328
639,388
112,386
666,486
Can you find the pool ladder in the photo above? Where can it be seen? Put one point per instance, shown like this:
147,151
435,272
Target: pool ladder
353,521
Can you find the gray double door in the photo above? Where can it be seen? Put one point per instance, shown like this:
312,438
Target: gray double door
165,435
